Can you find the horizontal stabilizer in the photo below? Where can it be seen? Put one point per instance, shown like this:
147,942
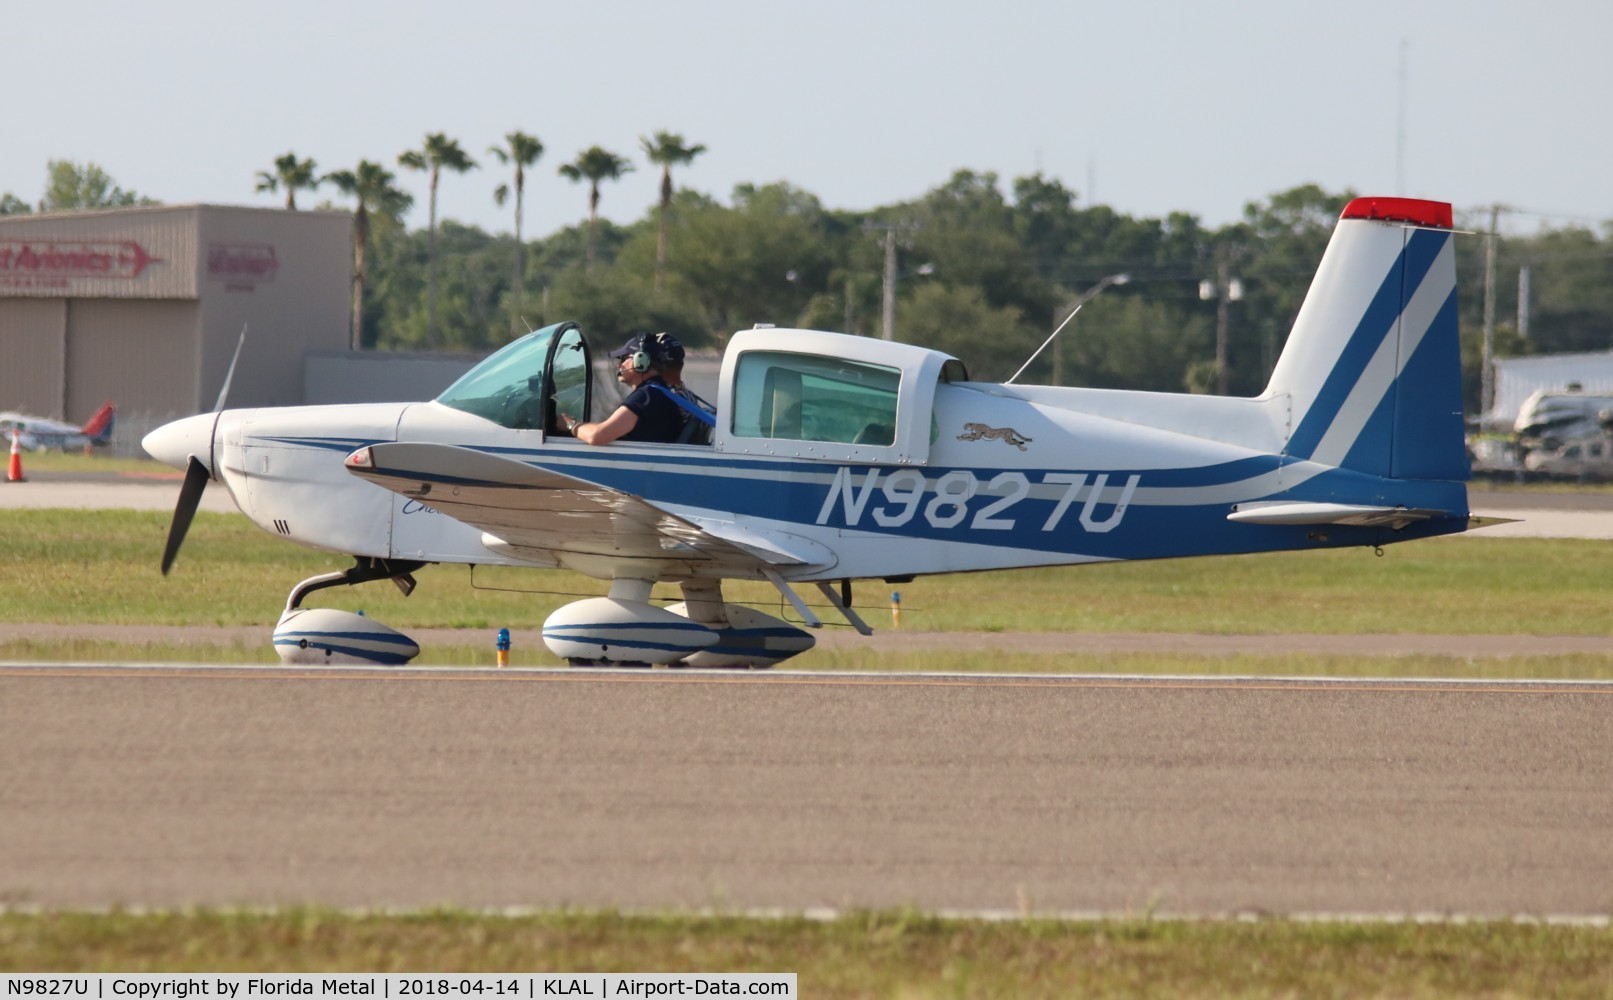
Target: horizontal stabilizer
1354,514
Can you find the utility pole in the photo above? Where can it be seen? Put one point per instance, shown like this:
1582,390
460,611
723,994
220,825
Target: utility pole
892,229
1486,365
1523,302
1226,290
888,328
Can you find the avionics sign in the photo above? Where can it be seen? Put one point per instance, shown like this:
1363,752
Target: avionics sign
242,265
53,263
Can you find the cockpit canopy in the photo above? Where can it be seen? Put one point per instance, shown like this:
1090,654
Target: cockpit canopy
528,382
787,393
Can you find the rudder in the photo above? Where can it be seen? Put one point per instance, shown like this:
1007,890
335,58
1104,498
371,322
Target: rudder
1372,369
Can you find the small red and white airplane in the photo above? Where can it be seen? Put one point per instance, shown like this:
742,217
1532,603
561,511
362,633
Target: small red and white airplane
41,433
837,458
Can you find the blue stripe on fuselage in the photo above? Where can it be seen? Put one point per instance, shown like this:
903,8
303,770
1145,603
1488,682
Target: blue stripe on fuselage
802,491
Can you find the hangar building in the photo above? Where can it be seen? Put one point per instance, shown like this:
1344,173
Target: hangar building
144,307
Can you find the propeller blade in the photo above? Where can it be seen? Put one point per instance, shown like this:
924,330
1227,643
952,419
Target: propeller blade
229,376
190,497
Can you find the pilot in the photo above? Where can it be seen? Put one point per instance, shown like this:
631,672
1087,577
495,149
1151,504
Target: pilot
648,413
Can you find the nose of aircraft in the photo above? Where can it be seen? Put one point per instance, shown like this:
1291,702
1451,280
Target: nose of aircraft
174,444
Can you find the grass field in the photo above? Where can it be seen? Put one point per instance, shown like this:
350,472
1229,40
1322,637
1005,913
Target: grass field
100,567
861,955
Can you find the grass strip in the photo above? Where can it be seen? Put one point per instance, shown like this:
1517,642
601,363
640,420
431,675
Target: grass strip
873,954
101,567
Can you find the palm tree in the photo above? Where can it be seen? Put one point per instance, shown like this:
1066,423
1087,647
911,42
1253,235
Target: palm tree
371,184
523,151
290,173
597,165
438,152
666,149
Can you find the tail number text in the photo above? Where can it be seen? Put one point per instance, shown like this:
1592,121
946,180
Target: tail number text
957,498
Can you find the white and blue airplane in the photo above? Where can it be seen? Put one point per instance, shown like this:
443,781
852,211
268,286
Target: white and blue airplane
837,458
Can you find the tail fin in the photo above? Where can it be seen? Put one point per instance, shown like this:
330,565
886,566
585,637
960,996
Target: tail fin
99,427
1372,369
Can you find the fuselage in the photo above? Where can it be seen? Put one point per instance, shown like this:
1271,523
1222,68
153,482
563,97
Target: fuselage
1009,476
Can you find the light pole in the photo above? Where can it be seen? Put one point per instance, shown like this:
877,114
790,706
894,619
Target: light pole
1086,296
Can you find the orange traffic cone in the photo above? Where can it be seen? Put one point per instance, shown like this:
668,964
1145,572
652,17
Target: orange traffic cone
14,470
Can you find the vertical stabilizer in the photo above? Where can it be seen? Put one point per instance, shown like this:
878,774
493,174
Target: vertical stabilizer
1372,369
99,427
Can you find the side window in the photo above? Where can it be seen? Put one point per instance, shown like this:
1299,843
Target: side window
803,397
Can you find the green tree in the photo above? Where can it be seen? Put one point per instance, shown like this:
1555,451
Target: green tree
966,229
10,204
1274,253
73,187
594,164
438,152
372,186
522,150
1571,289
290,174
667,150
733,263
992,341
1130,341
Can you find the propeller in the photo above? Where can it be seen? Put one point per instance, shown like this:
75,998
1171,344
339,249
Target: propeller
190,497
181,437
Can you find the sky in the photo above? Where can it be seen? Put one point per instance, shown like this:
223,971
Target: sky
1149,107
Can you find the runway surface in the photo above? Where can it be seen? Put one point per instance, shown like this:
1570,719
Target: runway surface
409,787
159,786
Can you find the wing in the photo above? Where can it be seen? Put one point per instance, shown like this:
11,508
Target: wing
552,517
1359,515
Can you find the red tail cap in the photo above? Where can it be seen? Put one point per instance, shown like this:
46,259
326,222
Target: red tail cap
1434,214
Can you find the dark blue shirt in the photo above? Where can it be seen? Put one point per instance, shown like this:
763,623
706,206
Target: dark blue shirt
659,418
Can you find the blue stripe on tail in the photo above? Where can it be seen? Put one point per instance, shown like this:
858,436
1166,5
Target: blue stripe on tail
1374,448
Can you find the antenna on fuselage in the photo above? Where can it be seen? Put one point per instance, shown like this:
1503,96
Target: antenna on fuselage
1037,353
1087,296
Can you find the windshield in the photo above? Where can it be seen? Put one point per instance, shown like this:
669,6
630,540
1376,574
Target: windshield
508,387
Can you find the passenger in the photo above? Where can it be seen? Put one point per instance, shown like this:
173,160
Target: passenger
647,414
695,430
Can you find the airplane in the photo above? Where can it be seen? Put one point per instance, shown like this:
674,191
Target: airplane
1565,433
837,458
41,433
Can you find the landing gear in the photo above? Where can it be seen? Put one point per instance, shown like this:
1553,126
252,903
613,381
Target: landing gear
328,636
625,629
365,569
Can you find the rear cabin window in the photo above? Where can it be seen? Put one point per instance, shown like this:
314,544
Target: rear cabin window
805,397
